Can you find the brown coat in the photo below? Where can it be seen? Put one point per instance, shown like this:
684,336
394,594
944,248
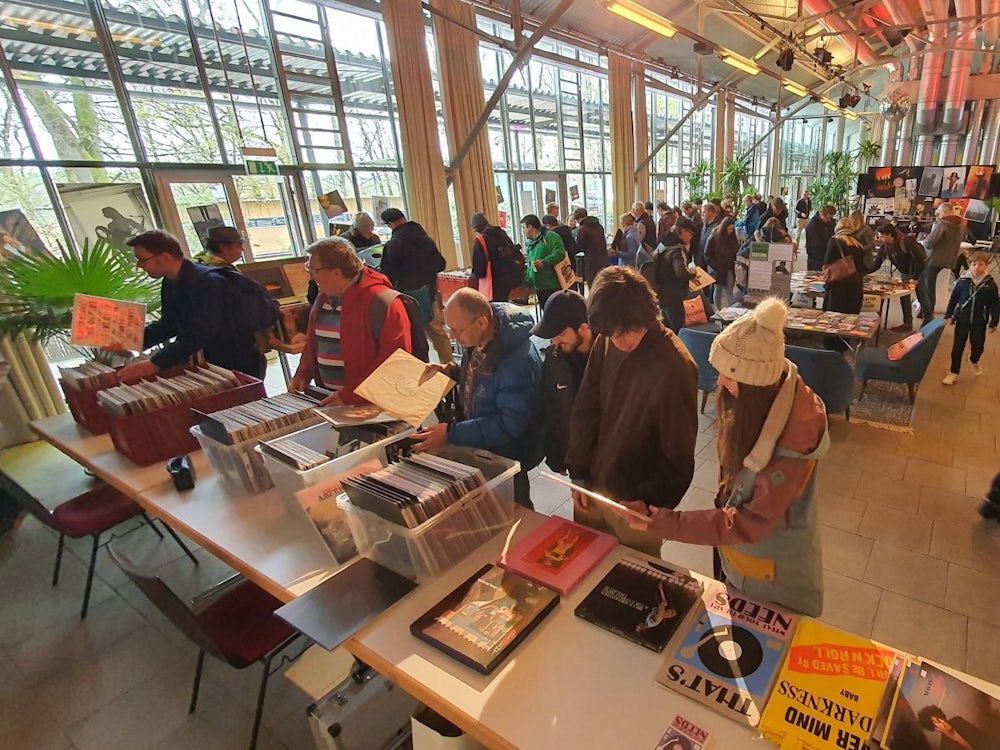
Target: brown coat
635,421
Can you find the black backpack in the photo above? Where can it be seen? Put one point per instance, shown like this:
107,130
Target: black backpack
512,263
418,335
254,309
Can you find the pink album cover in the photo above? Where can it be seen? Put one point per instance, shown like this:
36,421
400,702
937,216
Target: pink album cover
558,554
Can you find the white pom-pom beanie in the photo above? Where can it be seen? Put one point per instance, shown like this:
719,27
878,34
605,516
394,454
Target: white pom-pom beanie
751,349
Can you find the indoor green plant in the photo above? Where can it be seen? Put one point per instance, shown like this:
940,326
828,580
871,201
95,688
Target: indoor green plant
36,291
696,179
735,175
837,182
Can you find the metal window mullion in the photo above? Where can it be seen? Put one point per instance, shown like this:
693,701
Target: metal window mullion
338,97
29,131
386,78
531,116
279,77
199,61
103,34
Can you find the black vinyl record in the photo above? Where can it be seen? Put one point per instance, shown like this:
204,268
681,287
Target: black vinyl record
731,651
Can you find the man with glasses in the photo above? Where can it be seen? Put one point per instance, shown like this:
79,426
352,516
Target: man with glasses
345,342
197,307
498,385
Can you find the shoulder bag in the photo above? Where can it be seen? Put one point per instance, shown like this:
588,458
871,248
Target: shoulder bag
842,268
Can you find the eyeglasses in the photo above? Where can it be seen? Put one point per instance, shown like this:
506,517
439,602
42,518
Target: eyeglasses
141,262
311,269
455,332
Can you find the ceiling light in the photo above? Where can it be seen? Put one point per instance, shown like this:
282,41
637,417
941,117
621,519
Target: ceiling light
738,62
830,105
642,16
796,88
849,115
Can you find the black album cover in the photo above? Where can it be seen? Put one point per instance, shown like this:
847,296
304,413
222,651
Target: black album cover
644,602
730,654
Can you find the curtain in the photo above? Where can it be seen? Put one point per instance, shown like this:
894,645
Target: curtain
423,167
462,95
29,393
622,133
643,189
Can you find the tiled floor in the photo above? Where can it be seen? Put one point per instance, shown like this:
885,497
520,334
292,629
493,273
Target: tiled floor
908,561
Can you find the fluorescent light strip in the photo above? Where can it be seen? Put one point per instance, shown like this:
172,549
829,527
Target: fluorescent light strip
795,88
642,16
740,63
832,106
850,115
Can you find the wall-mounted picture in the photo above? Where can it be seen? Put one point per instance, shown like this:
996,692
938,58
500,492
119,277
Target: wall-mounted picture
954,182
883,187
959,206
18,237
977,184
105,212
977,211
332,204
931,181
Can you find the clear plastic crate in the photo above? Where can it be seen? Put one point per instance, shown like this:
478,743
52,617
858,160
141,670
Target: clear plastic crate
324,438
438,543
241,467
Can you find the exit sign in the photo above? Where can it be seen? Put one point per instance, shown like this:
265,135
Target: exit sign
262,167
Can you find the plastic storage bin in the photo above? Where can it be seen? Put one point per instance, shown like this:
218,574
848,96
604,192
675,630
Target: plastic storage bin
443,540
325,437
241,467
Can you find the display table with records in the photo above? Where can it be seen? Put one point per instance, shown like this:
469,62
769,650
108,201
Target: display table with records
569,684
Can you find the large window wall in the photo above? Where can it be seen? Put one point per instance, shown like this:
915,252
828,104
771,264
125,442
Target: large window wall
667,102
753,137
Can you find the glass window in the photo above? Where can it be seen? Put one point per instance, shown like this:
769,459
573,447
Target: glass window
21,188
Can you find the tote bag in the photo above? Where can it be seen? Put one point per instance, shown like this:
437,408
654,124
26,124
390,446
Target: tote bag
694,311
841,268
565,274
486,283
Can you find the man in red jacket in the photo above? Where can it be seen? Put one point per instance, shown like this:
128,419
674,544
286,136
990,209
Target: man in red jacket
344,343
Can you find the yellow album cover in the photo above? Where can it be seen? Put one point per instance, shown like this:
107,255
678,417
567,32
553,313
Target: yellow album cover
829,690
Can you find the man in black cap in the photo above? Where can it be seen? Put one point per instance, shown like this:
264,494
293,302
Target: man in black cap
412,262
564,323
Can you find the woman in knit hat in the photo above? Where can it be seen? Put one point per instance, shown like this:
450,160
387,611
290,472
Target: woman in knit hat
772,432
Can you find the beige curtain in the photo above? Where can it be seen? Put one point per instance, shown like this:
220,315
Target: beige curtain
423,167
30,392
622,133
643,189
462,94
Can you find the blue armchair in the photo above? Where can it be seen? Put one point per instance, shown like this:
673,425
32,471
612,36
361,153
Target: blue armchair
698,344
828,374
874,364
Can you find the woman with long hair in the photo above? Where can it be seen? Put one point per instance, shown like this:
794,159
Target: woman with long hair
845,295
772,433
720,253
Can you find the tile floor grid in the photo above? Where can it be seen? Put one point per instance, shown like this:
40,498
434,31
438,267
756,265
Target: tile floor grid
902,544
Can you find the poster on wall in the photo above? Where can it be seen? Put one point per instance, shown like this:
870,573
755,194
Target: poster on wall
379,204
954,182
882,182
18,237
204,218
332,204
930,181
550,196
977,184
977,211
105,212
959,206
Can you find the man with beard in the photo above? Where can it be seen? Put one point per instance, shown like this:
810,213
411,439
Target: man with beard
564,323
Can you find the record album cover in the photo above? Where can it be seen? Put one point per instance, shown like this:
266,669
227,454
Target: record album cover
828,692
644,602
558,554
730,654
684,734
482,621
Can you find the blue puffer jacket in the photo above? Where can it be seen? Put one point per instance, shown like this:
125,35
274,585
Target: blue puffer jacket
504,416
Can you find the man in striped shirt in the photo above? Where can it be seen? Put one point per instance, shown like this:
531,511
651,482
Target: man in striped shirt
343,346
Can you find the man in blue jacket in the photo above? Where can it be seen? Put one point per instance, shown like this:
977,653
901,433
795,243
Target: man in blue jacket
498,385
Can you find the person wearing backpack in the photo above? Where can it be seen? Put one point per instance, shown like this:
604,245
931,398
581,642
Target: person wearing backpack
590,239
342,348
497,263
199,311
671,275
974,306
906,254
412,262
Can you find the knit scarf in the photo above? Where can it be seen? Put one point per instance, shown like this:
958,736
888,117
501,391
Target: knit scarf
845,236
775,423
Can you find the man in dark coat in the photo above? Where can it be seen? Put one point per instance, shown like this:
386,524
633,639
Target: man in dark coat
590,238
819,230
412,262
493,254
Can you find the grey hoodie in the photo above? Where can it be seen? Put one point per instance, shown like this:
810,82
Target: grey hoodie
944,242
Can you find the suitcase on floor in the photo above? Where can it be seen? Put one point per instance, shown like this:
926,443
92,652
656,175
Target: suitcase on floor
365,712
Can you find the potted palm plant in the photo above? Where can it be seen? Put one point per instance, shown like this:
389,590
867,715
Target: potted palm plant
735,175
696,179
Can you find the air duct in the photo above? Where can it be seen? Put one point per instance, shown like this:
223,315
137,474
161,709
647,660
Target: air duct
975,130
901,15
953,105
829,17
991,34
991,135
929,89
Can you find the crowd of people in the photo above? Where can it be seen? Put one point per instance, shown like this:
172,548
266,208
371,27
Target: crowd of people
612,401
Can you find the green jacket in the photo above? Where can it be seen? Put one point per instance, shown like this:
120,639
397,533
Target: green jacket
548,248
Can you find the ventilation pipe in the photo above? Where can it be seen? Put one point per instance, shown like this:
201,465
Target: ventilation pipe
829,18
929,89
901,15
991,33
991,134
975,129
953,105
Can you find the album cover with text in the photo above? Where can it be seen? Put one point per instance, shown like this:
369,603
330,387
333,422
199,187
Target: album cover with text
729,655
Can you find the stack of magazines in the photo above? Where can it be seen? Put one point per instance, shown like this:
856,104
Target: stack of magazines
150,395
258,418
413,489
